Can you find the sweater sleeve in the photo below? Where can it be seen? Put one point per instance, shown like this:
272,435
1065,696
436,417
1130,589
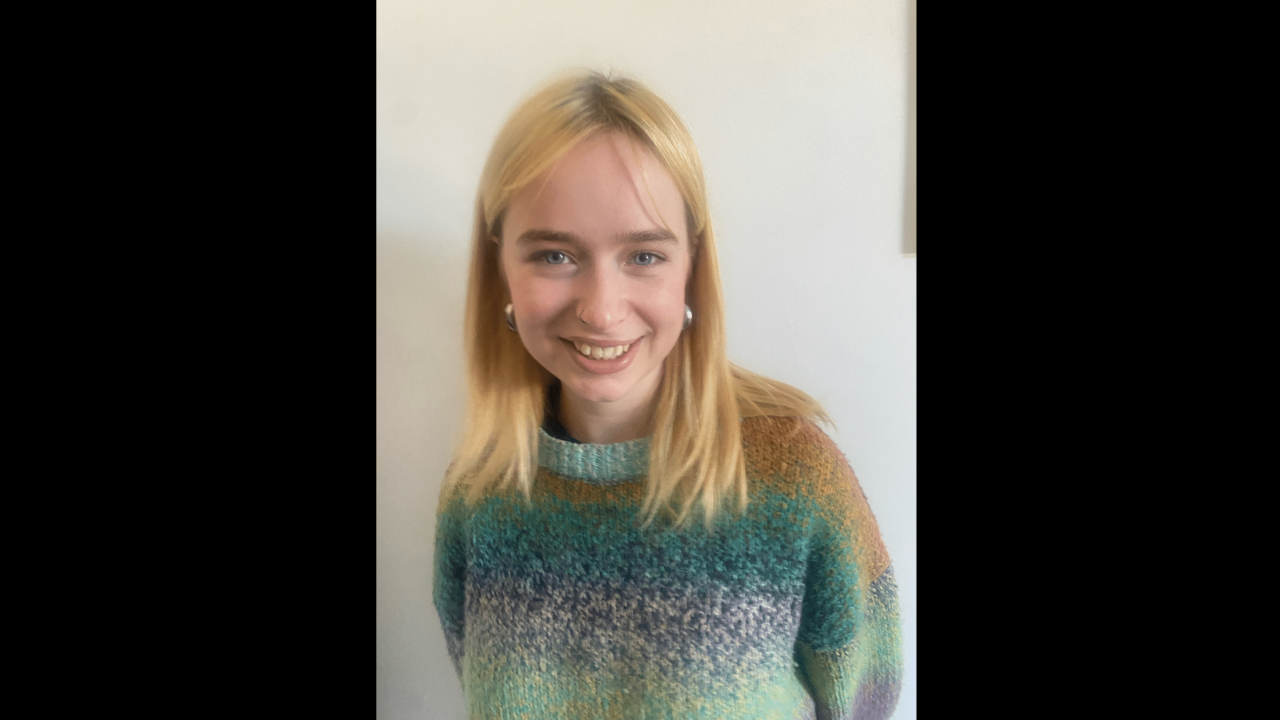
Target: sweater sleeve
849,646
449,587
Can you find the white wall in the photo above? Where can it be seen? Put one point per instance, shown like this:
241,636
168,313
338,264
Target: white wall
798,110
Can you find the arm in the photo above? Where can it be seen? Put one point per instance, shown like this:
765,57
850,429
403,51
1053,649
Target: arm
849,646
449,589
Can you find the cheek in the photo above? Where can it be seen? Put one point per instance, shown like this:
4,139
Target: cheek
535,299
666,305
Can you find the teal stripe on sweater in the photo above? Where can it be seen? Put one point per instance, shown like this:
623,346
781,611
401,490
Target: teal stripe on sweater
611,464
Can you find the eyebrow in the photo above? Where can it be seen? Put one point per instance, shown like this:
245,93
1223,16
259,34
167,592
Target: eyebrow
649,236
549,236
638,236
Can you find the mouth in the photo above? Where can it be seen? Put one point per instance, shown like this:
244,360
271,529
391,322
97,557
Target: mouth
596,352
600,359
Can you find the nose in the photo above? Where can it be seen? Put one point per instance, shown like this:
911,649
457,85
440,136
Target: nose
601,305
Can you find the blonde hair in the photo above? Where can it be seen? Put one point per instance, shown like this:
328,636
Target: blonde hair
696,446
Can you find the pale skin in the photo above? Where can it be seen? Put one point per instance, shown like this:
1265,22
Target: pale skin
588,259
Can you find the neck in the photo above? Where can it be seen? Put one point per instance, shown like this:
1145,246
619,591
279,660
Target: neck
603,423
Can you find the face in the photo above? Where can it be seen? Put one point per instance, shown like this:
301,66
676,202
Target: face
591,266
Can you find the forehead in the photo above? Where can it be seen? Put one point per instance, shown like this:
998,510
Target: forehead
606,186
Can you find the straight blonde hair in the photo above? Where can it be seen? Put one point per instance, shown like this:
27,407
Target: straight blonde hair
695,450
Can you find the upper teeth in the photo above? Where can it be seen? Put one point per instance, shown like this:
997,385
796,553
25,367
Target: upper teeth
608,353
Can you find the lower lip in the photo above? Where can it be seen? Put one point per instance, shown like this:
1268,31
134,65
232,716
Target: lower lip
603,367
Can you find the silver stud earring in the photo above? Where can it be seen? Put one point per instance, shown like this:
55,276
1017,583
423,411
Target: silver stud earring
688,316
511,318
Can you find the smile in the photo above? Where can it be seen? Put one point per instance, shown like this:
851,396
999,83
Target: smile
599,353
600,360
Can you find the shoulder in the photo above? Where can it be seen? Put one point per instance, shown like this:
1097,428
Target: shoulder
451,501
790,446
794,456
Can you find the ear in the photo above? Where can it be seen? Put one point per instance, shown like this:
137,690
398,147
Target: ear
496,249
495,234
689,226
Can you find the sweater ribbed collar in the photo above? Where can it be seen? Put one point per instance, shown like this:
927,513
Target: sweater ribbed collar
611,464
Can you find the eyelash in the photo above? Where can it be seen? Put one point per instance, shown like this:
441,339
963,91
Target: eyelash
656,259
546,256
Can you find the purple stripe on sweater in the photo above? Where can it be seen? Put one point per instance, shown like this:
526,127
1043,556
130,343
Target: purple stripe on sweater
689,632
454,641
876,699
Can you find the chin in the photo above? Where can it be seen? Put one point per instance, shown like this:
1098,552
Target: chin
597,390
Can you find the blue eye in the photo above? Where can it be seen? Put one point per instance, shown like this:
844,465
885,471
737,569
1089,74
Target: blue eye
645,258
555,257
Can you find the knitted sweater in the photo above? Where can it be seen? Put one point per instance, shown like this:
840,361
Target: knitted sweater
565,608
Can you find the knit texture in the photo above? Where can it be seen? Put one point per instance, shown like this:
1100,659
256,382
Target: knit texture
565,608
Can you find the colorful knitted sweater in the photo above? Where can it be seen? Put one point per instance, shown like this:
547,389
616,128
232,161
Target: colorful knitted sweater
566,608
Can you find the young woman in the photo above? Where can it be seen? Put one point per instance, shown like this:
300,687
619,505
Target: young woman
633,527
